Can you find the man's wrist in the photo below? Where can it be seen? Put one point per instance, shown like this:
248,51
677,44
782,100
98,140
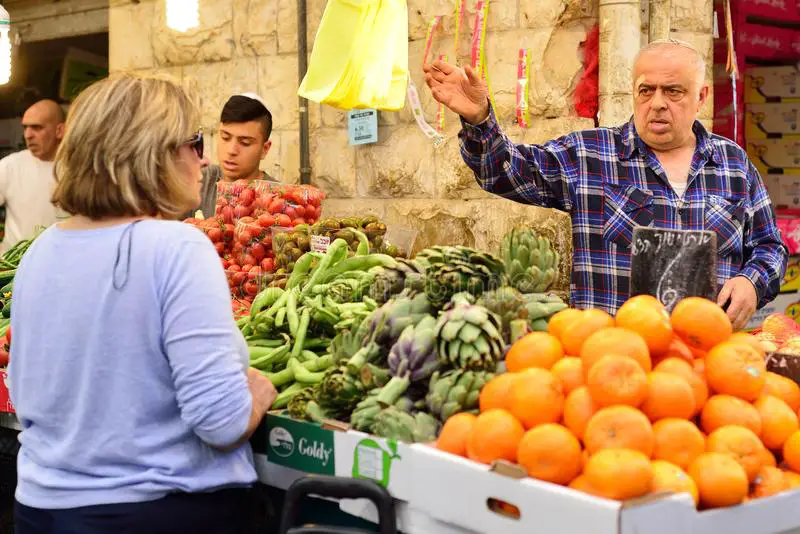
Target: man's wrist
480,117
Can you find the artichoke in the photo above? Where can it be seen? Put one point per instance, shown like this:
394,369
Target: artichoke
373,376
386,323
298,403
364,414
390,281
530,261
455,391
509,304
469,336
339,392
415,355
453,270
346,343
394,423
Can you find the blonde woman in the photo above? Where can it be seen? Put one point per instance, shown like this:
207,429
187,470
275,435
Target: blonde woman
128,374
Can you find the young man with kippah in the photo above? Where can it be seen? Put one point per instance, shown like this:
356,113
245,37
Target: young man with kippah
242,143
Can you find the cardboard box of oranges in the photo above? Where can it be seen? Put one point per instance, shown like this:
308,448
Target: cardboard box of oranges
600,418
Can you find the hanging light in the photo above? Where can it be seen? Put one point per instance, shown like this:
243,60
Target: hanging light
5,47
183,15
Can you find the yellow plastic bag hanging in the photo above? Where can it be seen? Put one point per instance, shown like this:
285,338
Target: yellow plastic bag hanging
360,56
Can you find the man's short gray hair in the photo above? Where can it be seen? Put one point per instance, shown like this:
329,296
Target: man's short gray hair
699,62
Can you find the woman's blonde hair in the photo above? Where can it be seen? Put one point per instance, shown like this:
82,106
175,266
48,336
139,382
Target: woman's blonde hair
119,153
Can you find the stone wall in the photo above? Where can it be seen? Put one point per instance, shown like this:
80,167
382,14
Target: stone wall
40,20
245,45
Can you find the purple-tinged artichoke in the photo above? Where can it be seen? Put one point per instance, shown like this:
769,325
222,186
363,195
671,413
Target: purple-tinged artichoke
415,354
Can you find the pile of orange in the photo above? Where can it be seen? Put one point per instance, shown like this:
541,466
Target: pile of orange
644,402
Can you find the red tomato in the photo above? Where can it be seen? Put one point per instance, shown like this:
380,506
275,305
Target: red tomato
227,214
251,288
266,220
276,206
227,233
238,277
220,248
249,259
8,336
234,267
300,210
241,211
298,220
283,220
266,199
247,220
221,201
254,273
238,186
267,241
268,265
245,237
258,251
290,211
215,235
247,197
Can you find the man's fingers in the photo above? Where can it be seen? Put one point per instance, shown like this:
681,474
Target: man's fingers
438,75
472,76
744,315
725,293
443,66
737,306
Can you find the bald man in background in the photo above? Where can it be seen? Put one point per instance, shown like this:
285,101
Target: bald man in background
27,179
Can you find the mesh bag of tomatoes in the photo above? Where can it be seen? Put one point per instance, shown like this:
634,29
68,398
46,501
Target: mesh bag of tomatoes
289,204
220,234
253,242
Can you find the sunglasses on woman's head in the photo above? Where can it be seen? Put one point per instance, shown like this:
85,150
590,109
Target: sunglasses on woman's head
196,143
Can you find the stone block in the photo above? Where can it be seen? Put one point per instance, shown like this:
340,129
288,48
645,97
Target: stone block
454,179
480,224
333,163
129,36
347,207
400,165
211,41
555,66
615,109
216,82
255,26
549,13
692,15
277,85
283,160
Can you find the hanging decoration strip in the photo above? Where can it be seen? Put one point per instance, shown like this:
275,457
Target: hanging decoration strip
479,63
413,95
523,84
440,107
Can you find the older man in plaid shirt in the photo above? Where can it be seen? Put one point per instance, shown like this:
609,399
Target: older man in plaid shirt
661,169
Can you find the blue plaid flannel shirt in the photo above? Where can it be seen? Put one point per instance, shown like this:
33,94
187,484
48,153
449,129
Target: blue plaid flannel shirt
609,181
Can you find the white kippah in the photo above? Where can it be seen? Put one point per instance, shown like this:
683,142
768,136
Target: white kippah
253,96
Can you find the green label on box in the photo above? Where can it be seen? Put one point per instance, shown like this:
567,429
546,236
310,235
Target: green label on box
373,461
302,446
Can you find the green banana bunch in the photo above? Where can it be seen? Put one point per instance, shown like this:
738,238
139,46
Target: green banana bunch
530,261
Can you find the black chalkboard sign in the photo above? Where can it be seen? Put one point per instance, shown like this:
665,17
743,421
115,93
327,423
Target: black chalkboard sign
673,264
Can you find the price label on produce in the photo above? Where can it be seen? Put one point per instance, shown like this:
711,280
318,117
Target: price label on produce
673,264
320,243
362,126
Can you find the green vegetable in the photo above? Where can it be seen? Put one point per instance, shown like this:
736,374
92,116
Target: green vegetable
301,268
260,357
358,263
280,317
283,398
303,375
291,312
265,298
335,250
272,343
302,330
363,243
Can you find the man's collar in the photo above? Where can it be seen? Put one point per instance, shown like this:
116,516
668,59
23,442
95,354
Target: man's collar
631,142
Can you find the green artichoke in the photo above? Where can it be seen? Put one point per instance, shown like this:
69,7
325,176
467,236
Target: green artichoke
415,354
469,336
390,281
339,392
454,270
374,377
386,323
531,262
509,304
298,403
346,343
364,414
455,391
394,423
